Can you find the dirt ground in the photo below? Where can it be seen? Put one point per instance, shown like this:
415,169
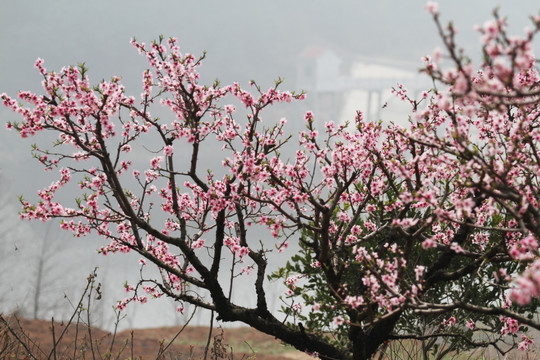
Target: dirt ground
168,343
145,344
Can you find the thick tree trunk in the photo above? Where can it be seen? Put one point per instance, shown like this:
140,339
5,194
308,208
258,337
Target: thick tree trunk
366,343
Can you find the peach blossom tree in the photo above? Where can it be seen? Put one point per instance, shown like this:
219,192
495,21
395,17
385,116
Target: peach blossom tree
424,231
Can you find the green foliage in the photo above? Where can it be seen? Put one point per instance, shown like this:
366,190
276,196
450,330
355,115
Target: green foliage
478,288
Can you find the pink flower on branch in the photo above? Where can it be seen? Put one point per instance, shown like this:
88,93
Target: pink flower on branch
432,7
168,150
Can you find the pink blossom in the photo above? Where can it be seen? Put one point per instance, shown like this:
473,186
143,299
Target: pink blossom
343,216
338,320
199,243
168,150
456,248
510,326
451,321
291,281
419,271
156,162
429,243
432,7
525,342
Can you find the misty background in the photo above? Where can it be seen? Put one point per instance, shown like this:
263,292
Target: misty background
244,40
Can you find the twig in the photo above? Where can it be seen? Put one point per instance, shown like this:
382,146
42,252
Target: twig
131,333
88,324
16,336
76,342
55,344
77,311
209,334
162,350
114,332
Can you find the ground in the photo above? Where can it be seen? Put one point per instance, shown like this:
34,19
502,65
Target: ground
177,344
144,344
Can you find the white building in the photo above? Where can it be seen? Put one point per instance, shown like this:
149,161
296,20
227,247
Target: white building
336,93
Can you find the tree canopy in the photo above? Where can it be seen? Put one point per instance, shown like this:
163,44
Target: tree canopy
424,231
